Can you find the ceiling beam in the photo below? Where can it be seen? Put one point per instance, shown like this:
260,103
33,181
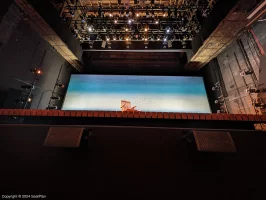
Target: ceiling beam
44,29
228,29
148,50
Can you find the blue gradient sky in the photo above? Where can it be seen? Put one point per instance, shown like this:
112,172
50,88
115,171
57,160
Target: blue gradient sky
148,93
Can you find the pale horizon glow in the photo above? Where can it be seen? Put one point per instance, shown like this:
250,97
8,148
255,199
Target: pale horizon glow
147,93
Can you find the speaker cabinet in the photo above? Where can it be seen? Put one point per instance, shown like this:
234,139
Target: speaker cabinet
214,141
64,137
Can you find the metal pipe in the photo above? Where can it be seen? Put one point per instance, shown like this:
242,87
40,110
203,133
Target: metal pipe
229,100
34,81
257,10
220,77
257,42
63,8
252,51
56,81
244,80
249,65
236,86
254,44
70,3
114,9
220,81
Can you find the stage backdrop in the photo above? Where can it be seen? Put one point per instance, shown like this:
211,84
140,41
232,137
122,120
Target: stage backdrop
147,93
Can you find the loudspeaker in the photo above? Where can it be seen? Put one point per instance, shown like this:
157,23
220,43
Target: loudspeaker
103,44
67,137
211,141
170,44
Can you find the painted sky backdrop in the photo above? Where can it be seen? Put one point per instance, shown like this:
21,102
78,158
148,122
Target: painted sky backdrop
148,93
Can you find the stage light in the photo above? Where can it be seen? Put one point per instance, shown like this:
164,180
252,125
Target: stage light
107,39
26,87
75,25
158,39
91,44
137,14
145,29
36,71
168,30
216,87
165,39
129,21
126,29
184,44
55,97
146,39
110,15
246,72
19,101
127,39
147,14
72,13
103,44
89,28
156,21
164,15
60,85
100,11
115,21
170,44
51,108
146,45
83,20
29,99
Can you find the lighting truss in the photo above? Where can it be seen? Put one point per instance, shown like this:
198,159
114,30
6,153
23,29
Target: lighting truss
177,21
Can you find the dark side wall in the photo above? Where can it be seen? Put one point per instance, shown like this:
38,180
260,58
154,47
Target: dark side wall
21,50
57,24
4,7
212,74
131,163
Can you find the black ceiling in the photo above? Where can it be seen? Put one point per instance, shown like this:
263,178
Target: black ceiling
134,63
